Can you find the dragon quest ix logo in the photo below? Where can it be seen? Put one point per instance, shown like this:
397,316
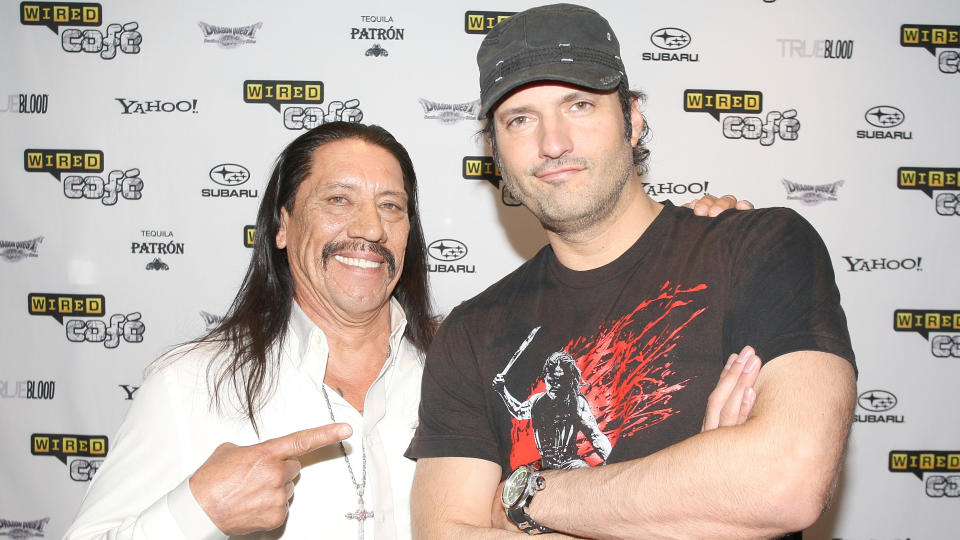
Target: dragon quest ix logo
448,113
15,251
229,37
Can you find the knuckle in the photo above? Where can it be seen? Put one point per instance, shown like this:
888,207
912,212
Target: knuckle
714,399
276,517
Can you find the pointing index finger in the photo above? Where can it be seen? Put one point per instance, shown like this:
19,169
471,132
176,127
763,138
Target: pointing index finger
299,443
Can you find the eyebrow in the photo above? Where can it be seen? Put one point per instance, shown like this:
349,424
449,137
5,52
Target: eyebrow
333,186
575,95
402,194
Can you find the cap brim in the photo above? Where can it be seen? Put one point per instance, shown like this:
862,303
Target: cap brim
583,75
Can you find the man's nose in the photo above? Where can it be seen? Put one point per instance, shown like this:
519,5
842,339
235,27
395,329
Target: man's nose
366,223
555,138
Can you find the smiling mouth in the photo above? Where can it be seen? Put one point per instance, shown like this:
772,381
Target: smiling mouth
360,263
337,248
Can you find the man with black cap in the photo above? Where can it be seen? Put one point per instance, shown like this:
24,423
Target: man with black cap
647,298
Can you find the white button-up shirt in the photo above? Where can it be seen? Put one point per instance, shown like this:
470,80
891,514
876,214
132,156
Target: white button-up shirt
141,491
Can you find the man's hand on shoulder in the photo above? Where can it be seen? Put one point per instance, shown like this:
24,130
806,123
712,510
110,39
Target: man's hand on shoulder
708,205
248,488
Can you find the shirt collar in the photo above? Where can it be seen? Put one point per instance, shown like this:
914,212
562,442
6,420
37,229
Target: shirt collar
304,333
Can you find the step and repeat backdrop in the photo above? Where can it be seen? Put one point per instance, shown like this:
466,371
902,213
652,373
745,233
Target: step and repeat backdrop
136,139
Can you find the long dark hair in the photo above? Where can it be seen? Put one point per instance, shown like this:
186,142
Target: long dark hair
257,320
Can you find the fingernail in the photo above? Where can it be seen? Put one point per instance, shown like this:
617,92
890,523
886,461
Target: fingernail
730,361
742,357
752,365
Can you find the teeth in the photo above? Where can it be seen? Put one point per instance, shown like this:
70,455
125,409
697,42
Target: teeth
362,263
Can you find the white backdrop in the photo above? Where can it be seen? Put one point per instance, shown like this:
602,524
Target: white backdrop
133,151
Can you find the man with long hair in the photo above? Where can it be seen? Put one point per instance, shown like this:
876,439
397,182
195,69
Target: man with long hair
329,328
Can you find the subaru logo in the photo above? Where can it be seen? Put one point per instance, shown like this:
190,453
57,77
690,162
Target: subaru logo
877,400
670,39
229,174
884,116
447,250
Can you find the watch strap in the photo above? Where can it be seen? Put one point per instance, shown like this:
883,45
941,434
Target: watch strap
526,524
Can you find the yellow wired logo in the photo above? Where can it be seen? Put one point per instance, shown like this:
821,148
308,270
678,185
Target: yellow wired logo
276,93
924,461
60,305
924,321
56,14
716,102
58,161
481,22
63,446
249,236
930,36
928,179
481,168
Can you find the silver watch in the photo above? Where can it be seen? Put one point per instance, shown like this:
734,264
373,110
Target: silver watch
517,494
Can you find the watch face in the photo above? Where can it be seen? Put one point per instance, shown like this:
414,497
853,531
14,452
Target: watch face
514,487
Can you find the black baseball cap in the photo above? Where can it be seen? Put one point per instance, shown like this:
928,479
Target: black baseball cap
559,42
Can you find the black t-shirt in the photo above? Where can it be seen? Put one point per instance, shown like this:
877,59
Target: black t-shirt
617,362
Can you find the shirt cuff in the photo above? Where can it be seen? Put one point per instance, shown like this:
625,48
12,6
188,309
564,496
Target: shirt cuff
190,517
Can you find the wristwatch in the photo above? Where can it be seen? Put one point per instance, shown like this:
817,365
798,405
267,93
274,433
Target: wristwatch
518,491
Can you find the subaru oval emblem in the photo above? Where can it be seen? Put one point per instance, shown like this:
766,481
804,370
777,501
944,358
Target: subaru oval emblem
877,400
884,116
670,39
447,250
229,174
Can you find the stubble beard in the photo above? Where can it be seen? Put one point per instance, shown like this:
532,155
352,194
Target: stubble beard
577,212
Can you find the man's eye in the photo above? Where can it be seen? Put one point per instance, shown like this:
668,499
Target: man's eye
582,105
518,121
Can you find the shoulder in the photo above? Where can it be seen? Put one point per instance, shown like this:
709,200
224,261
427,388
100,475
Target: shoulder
741,220
185,360
186,372
519,282
763,226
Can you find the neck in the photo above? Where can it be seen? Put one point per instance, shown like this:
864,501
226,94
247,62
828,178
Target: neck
605,240
357,352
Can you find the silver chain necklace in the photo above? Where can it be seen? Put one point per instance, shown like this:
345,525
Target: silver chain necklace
361,514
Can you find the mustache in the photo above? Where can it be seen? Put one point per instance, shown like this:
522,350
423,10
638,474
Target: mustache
554,163
332,248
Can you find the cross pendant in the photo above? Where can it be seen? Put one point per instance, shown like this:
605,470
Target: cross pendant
360,515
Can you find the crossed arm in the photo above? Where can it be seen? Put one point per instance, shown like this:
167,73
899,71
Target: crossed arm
757,477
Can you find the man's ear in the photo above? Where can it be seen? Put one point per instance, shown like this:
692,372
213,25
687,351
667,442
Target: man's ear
636,121
281,239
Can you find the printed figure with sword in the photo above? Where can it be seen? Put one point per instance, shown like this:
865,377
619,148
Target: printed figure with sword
558,414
